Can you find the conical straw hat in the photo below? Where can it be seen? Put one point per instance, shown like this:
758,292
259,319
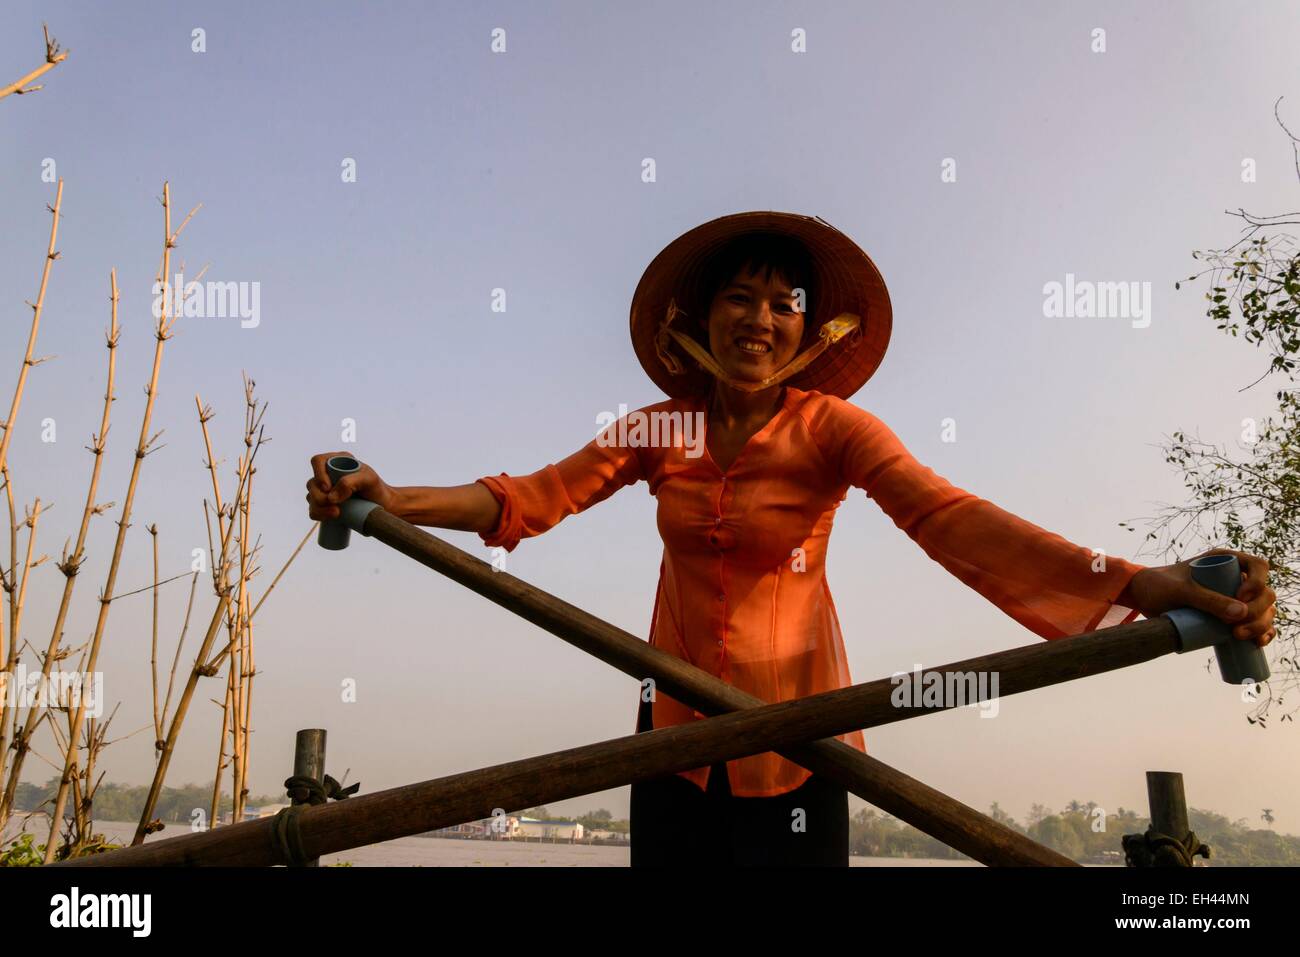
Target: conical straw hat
847,281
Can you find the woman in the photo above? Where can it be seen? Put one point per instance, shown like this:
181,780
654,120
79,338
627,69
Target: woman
759,326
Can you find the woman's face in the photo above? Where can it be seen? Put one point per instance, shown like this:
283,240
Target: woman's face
754,328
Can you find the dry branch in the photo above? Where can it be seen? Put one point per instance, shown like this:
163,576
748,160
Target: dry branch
53,57
162,333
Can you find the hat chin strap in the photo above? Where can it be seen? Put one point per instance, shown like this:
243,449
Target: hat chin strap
830,333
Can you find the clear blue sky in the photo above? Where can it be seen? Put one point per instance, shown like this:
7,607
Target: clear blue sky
522,170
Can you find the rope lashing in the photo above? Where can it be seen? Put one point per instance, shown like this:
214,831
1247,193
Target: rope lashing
1153,849
304,792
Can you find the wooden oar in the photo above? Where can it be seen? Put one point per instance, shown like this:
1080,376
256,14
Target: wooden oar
925,808
745,726
418,808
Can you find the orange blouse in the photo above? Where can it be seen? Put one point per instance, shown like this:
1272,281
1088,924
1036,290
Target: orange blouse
742,587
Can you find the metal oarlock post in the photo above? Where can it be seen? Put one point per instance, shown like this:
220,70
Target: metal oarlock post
1240,661
309,762
336,533
1169,841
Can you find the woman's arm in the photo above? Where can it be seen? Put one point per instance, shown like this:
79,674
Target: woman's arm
501,508
532,504
1052,586
468,508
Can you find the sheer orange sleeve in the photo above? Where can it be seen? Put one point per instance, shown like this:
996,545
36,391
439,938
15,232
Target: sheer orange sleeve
1050,585
532,504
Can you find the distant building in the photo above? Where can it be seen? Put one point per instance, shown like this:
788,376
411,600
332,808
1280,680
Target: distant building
549,830
253,813
496,828
512,827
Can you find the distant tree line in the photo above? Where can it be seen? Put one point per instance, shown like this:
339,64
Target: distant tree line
118,802
1081,831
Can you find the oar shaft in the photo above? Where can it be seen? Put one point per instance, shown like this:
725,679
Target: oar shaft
929,810
418,808
802,730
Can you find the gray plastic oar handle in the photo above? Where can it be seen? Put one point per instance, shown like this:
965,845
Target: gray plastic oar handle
1239,661
336,533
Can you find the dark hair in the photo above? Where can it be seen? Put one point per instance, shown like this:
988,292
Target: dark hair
760,253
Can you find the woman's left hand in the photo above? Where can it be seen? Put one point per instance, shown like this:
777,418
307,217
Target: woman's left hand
1153,591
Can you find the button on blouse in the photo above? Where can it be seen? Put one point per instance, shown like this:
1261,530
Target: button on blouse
742,589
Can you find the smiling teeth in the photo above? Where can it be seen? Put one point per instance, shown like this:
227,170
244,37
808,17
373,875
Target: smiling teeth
753,346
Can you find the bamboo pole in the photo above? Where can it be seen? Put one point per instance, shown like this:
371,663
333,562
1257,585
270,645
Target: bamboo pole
200,669
180,643
53,57
252,421
214,802
162,333
252,418
17,599
8,661
70,564
280,573
96,741
219,582
247,555
472,795
174,729
153,644
216,662
9,582
37,307
239,663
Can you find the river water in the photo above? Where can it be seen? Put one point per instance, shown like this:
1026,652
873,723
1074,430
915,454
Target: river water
449,852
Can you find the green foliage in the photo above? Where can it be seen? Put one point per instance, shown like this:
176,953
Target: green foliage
1071,832
1250,500
24,852
603,820
875,834
119,802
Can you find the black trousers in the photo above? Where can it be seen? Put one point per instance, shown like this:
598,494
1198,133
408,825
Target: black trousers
673,823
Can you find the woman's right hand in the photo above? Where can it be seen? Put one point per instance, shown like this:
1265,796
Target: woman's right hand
323,497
